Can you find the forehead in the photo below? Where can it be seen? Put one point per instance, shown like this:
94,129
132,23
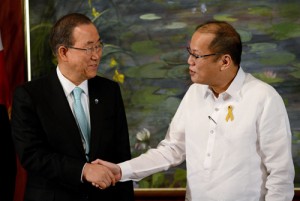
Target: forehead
201,41
86,34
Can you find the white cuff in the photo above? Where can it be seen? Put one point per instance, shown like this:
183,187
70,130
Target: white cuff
126,171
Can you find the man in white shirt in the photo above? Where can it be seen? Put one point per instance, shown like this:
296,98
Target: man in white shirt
231,128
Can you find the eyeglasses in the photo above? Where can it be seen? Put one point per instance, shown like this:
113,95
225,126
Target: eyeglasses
90,50
199,56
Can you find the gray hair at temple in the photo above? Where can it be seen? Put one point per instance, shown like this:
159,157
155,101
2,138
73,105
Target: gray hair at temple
61,33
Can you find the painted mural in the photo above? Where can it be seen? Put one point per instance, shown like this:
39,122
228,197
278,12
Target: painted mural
145,52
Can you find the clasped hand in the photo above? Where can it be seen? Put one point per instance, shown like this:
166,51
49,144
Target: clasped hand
101,174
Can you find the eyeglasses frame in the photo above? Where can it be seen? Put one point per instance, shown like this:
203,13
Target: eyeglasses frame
200,56
91,49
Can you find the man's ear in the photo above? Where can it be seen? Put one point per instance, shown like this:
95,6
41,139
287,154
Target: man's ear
225,62
62,53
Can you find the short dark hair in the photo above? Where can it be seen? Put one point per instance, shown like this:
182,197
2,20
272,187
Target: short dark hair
227,40
62,31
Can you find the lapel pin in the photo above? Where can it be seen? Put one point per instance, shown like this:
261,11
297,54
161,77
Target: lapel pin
230,114
96,101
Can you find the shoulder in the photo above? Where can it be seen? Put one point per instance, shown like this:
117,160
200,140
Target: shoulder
258,88
102,80
38,87
40,82
31,86
101,84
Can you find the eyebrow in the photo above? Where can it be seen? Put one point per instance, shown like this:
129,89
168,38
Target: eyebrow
91,42
189,45
195,51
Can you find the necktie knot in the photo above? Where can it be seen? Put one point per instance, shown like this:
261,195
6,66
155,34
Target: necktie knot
77,91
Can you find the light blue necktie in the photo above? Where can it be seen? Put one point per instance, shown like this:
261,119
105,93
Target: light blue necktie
81,118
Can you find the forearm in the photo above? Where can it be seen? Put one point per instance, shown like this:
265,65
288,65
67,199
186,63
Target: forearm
153,161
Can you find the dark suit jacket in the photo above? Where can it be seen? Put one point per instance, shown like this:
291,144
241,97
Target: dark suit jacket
49,145
8,168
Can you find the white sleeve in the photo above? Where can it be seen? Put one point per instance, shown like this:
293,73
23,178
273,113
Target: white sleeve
170,152
275,144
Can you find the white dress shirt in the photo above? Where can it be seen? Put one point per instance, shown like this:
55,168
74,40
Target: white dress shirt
68,87
247,158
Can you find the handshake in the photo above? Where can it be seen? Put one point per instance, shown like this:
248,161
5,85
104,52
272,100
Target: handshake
101,174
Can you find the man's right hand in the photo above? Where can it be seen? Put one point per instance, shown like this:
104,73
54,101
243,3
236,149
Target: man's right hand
114,168
98,175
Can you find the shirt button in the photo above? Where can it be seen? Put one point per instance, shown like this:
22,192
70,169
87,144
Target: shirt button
212,132
208,154
216,109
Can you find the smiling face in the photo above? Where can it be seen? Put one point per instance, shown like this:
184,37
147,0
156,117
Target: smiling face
78,65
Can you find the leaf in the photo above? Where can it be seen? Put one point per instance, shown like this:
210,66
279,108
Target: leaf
176,25
262,47
277,58
245,35
260,11
147,97
179,178
146,47
225,17
296,74
175,57
267,79
150,16
144,184
285,30
151,70
158,180
179,71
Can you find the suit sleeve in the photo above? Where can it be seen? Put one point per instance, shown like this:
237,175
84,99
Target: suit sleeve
32,145
123,144
122,138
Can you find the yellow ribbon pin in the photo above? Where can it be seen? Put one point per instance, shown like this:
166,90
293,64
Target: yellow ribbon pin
229,114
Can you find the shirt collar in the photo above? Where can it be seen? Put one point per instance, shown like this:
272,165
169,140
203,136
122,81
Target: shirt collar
234,88
236,85
68,86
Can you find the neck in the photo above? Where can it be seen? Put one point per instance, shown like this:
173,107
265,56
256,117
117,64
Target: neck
70,76
218,90
226,81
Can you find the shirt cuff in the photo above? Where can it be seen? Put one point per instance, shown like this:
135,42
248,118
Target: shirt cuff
126,171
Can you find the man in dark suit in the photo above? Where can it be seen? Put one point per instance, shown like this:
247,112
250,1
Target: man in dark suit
48,137
8,155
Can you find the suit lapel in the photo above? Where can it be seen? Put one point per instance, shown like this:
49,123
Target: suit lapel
63,113
94,105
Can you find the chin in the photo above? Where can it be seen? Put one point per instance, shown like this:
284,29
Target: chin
194,80
197,81
91,75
